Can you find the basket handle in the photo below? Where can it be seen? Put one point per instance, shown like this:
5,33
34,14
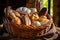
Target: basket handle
37,5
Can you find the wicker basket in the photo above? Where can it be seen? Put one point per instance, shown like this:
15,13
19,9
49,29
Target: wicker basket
25,31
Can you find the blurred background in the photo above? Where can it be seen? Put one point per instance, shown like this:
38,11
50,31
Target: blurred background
53,5
45,4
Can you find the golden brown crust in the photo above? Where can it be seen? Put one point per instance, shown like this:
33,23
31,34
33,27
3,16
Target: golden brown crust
42,18
34,17
16,21
16,13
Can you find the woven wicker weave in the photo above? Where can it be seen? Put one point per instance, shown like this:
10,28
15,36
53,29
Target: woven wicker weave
26,31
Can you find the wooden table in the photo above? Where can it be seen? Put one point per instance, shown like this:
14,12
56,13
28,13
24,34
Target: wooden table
6,36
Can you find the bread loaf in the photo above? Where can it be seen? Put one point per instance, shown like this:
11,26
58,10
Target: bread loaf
36,23
42,18
9,12
24,10
33,10
27,20
16,13
16,20
34,17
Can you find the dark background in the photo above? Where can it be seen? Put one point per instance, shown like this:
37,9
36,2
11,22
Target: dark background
14,3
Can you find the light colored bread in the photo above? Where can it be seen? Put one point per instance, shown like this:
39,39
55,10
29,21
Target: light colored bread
24,10
33,10
36,23
27,20
9,13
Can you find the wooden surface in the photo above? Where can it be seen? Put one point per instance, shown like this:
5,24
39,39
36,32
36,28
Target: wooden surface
6,36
